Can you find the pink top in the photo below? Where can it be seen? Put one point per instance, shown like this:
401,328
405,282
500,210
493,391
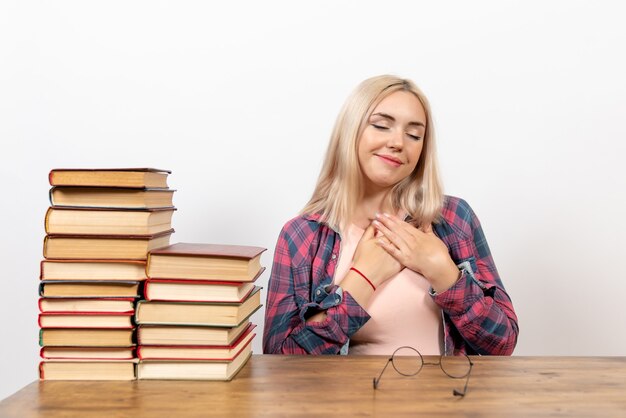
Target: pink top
402,312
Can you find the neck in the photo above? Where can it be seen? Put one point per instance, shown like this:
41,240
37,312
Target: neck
369,204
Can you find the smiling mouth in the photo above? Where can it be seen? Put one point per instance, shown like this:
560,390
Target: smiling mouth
389,160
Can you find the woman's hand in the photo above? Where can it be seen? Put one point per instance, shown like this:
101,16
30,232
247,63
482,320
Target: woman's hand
418,249
373,261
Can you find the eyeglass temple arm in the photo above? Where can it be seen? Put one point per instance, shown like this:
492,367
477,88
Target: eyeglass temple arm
377,380
459,393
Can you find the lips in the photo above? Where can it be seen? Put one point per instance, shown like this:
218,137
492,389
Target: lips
396,162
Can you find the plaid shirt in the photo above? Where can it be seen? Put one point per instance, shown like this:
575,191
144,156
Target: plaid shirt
477,312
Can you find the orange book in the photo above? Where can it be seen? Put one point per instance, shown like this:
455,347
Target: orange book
109,177
189,334
223,314
93,304
129,270
107,221
87,353
89,289
110,197
86,337
97,320
112,247
87,370
193,369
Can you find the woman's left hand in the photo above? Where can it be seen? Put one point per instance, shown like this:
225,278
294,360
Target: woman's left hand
418,249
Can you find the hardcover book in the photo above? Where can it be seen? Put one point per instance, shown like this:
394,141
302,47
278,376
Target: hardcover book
107,197
107,221
76,337
69,305
198,313
109,177
82,247
88,353
195,352
87,370
193,370
196,290
129,270
205,262
86,320
189,334
88,289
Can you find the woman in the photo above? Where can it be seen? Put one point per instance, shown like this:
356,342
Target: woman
379,257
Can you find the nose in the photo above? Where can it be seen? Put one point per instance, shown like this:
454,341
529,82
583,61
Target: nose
395,140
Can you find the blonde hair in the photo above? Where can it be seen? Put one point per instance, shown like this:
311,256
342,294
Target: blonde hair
339,183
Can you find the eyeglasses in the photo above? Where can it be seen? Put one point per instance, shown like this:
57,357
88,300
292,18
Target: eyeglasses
408,362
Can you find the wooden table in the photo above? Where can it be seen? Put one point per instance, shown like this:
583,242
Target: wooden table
327,386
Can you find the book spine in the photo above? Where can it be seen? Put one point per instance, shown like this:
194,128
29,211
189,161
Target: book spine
41,375
148,258
136,317
146,289
46,222
45,246
40,337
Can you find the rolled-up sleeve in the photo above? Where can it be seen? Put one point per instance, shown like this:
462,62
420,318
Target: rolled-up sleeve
290,302
477,304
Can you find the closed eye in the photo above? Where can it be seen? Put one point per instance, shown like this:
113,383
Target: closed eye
415,137
382,128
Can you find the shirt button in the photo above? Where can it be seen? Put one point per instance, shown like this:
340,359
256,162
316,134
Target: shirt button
334,256
319,292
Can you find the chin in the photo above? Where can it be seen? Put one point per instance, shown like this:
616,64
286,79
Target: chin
384,183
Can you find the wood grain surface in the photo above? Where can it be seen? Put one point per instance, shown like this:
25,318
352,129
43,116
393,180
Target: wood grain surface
272,385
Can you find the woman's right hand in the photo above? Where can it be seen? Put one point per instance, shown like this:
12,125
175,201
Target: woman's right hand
372,260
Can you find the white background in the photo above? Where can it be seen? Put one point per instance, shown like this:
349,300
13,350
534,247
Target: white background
238,99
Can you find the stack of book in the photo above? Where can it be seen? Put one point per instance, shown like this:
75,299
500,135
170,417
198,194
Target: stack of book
99,229
194,323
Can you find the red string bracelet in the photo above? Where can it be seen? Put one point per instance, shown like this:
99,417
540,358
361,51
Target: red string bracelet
363,275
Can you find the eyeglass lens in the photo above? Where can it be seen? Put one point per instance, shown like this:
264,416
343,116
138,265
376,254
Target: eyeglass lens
455,366
407,361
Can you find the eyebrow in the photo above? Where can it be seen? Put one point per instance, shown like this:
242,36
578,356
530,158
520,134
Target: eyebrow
391,118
